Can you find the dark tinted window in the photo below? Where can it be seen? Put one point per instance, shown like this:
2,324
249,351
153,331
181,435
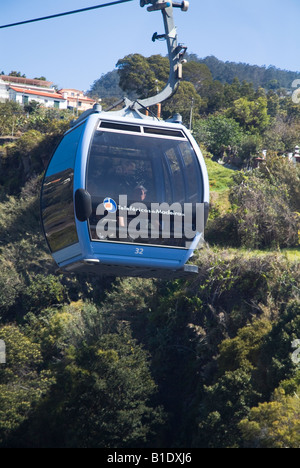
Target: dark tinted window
191,172
121,126
118,164
174,164
147,169
57,194
164,131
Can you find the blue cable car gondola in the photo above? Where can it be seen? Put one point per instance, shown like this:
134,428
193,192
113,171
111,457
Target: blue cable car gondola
125,194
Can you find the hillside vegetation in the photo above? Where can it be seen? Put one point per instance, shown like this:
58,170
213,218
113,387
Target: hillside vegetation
270,78
207,362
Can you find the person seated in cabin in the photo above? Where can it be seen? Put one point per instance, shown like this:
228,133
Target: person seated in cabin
140,193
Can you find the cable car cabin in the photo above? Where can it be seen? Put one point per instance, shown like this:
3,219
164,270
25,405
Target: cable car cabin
125,197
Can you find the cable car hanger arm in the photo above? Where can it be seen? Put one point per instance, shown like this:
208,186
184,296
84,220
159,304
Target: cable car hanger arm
175,51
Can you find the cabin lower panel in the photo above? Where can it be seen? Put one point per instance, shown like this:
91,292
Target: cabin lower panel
101,269
125,260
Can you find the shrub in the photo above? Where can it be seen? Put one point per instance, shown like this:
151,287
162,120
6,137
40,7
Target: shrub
263,214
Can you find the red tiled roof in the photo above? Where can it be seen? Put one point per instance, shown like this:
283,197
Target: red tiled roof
80,98
26,81
37,93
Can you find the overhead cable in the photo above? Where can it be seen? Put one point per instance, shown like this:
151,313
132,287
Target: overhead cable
64,14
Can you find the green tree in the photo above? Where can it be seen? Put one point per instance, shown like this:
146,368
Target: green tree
251,147
280,171
292,109
12,118
10,286
107,86
275,364
273,103
243,350
160,67
103,394
136,75
219,133
214,98
233,392
232,92
247,90
17,74
184,101
264,216
252,115
32,107
199,75
28,142
22,382
274,424
43,291
223,405
102,398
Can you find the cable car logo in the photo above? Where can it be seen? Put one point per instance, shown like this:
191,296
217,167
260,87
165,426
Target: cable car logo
110,205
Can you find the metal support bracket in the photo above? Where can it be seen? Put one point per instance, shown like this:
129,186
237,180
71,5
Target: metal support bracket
175,52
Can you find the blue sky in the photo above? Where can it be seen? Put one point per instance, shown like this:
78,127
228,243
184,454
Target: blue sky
76,50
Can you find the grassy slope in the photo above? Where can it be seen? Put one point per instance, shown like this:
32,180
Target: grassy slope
220,180
220,177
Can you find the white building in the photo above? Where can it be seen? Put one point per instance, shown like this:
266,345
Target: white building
24,90
45,97
3,91
77,99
